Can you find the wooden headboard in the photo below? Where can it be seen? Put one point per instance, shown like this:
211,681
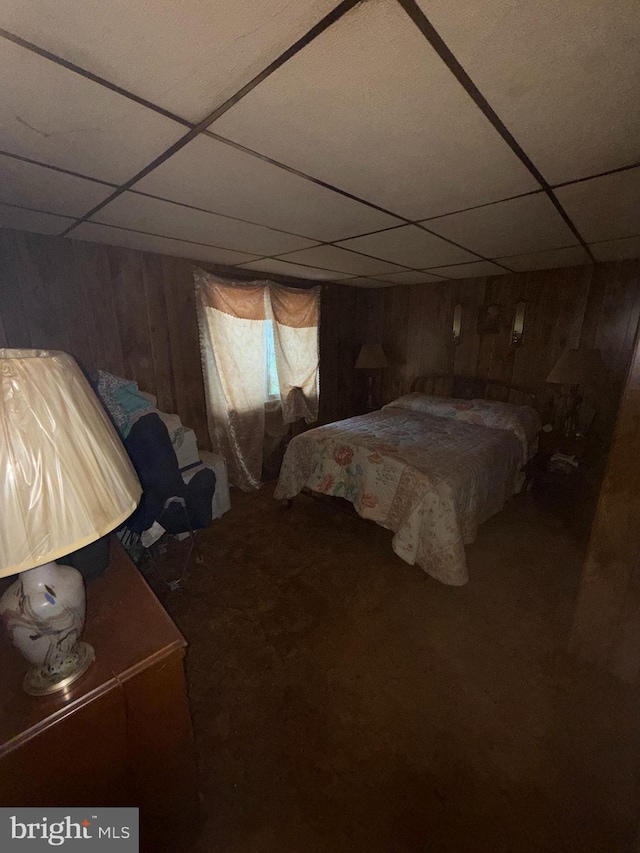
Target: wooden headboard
470,387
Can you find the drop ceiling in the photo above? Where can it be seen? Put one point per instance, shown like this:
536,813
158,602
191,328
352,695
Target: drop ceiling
375,143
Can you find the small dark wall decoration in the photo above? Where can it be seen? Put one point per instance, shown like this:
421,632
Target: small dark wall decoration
490,319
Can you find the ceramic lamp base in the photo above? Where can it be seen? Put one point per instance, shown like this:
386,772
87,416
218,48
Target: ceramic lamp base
40,682
43,613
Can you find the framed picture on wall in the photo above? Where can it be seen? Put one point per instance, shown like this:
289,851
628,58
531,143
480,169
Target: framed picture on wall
490,319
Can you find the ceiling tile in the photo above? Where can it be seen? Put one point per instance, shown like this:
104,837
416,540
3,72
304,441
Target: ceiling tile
513,227
37,187
340,260
617,250
31,220
474,270
186,56
409,245
53,115
408,277
154,216
604,208
281,267
213,175
561,76
572,256
150,243
368,106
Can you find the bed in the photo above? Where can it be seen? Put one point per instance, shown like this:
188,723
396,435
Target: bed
431,467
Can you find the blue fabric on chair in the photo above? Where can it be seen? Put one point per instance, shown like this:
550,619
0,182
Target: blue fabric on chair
121,398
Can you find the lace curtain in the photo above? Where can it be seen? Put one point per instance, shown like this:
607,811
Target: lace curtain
235,320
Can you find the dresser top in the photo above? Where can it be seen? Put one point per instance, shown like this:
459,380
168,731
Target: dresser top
129,630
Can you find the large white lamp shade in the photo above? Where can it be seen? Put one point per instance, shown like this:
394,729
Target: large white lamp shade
65,481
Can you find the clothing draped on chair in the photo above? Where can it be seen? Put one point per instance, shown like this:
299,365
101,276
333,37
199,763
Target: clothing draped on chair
236,320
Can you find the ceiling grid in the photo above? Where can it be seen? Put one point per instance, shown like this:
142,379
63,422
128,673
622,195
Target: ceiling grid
429,163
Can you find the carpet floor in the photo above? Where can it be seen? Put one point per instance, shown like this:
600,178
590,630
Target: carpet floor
345,701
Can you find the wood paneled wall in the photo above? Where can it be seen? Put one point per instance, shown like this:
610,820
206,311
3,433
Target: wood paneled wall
606,627
595,306
340,341
133,313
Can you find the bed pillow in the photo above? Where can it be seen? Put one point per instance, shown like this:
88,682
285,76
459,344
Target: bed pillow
442,407
524,421
521,420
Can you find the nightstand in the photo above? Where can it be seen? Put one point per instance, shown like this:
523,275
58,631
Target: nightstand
562,491
556,442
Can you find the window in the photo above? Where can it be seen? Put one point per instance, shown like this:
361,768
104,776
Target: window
253,368
272,390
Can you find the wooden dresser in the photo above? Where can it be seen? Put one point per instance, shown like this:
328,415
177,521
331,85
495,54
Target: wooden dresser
122,734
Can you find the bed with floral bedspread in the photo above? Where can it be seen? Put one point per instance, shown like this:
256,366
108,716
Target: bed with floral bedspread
430,478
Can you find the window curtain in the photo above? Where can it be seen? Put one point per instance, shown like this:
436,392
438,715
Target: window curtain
233,318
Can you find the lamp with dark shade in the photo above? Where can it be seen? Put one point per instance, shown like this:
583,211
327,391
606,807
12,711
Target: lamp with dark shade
371,357
576,370
65,481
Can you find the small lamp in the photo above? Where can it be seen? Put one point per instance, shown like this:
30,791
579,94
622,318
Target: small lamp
371,357
576,369
66,481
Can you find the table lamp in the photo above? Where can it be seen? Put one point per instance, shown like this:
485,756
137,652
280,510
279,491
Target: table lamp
371,357
65,481
575,370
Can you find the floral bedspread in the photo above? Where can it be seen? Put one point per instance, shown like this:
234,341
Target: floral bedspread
431,480
522,420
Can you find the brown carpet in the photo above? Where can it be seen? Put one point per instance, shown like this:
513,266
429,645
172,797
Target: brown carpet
344,701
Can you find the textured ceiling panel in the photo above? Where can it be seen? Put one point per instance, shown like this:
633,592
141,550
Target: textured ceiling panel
150,243
562,76
573,256
186,56
333,258
183,223
617,250
45,189
55,116
408,277
369,107
514,227
605,208
280,267
479,268
214,176
31,220
410,245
